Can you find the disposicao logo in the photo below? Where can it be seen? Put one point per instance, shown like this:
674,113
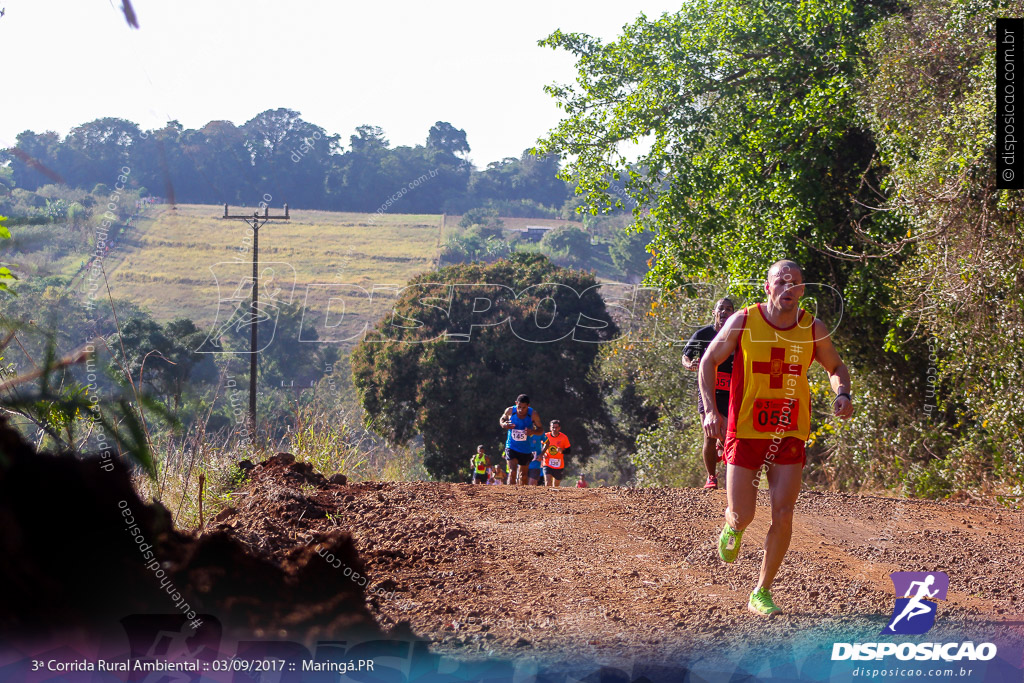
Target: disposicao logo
916,592
914,614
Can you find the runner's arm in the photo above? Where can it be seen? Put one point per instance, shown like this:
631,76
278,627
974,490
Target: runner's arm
717,352
838,374
504,422
692,349
537,429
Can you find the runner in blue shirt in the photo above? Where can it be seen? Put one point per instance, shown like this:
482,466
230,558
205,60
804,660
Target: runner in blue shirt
521,422
534,469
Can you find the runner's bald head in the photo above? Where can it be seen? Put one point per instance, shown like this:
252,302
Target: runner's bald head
785,266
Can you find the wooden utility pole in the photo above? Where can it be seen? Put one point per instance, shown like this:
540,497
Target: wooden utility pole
255,221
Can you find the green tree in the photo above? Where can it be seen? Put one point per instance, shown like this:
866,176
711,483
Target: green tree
569,243
171,162
138,337
927,92
435,368
6,276
529,179
34,159
628,251
756,150
366,182
483,239
487,218
50,308
445,138
291,157
189,365
474,245
97,151
6,174
651,386
289,355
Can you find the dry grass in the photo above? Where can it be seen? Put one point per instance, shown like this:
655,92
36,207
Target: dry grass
169,264
333,444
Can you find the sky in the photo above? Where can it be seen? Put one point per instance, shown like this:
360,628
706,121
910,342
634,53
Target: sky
400,65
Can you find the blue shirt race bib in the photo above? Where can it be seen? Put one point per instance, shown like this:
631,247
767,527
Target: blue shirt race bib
517,440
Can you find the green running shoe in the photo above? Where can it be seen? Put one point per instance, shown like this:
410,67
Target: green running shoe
729,544
761,603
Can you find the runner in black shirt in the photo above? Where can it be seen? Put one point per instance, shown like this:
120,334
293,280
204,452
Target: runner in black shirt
692,352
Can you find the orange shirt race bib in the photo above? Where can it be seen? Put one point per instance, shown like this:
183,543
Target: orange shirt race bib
553,453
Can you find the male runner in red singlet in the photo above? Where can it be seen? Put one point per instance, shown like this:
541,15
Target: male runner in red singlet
769,413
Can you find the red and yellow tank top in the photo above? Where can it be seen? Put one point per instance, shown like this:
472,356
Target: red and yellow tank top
769,396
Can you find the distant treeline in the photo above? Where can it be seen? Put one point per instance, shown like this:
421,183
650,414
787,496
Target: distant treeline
280,155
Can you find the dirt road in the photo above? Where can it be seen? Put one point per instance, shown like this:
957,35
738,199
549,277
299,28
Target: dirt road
586,574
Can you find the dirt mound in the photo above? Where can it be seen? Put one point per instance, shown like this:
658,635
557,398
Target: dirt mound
82,552
288,510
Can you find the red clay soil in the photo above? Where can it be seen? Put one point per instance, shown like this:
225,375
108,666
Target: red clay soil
577,574
573,574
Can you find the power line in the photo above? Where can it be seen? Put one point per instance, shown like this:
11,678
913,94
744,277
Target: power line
255,221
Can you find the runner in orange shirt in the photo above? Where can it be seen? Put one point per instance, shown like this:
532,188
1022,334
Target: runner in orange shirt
769,413
555,448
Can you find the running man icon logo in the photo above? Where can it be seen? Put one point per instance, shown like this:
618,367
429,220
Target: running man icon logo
915,595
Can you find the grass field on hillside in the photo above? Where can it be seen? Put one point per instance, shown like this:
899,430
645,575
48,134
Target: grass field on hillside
187,261
172,263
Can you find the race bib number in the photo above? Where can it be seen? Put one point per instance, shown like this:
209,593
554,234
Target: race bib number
519,435
554,462
722,381
775,414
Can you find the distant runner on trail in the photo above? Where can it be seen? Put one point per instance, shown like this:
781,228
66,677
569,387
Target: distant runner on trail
556,447
769,413
692,353
581,483
535,472
479,464
534,469
522,422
